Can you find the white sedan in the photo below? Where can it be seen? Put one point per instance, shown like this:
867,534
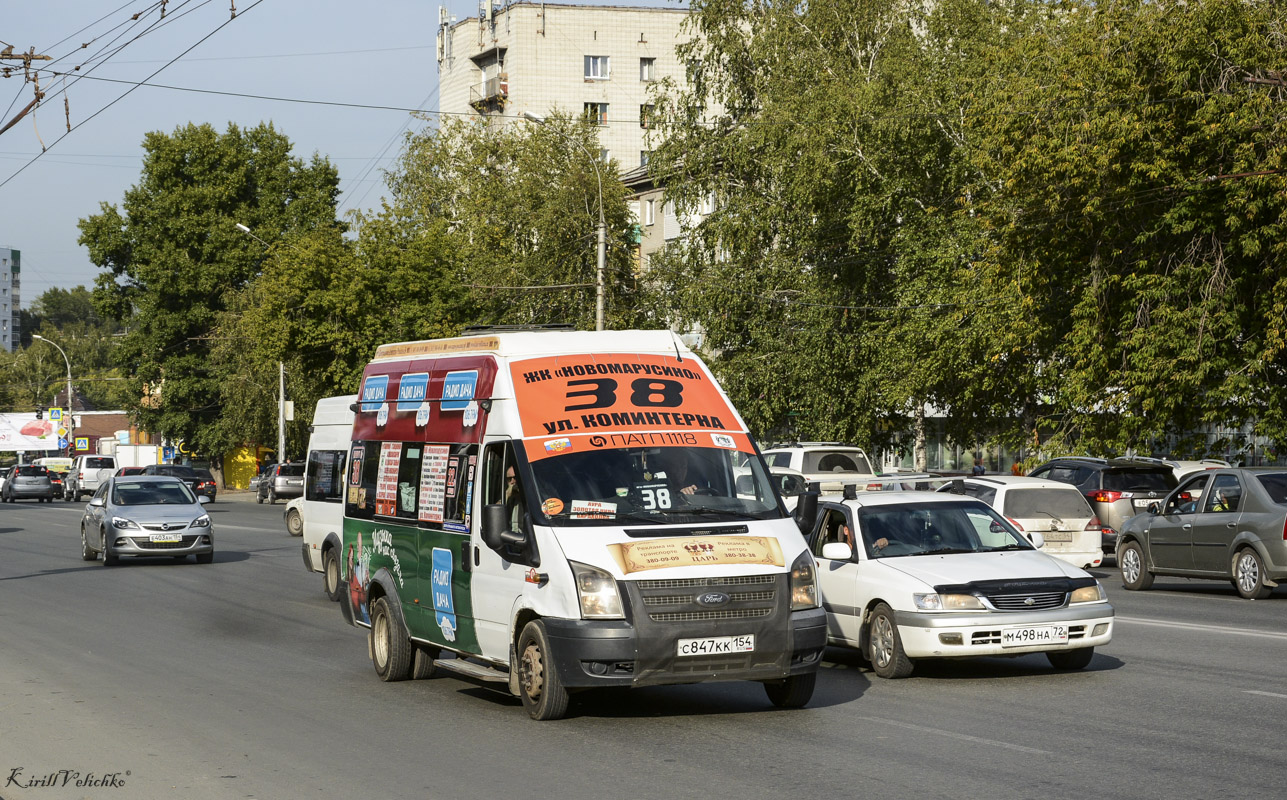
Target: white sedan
908,575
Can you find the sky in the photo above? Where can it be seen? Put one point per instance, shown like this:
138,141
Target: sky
339,78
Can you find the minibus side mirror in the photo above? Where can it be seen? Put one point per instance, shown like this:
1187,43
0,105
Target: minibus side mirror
495,521
806,511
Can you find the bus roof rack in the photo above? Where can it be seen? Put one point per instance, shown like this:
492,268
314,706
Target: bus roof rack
546,326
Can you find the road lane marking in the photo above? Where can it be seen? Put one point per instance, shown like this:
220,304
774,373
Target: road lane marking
1266,694
962,736
1207,628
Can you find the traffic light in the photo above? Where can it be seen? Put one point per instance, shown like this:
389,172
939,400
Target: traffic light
40,412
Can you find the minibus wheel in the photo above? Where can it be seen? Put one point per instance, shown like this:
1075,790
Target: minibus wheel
539,685
794,692
331,574
390,649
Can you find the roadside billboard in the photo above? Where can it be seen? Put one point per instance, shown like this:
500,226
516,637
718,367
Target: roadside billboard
23,432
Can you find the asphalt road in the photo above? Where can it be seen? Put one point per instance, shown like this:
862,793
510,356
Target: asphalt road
239,679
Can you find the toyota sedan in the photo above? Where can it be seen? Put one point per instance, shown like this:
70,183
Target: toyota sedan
146,515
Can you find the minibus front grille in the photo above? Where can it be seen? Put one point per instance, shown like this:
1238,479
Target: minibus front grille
696,616
699,583
744,597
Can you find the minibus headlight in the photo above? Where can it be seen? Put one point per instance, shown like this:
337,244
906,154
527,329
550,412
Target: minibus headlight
804,583
597,591
1088,594
947,602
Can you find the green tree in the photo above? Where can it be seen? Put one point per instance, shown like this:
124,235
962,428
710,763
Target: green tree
173,257
520,206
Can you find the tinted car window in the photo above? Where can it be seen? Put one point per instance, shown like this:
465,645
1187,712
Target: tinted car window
1135,480
99,463
1276,484
32,471
1059,503
291,470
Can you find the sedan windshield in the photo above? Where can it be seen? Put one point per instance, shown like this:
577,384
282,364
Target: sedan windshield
148,494
917,529
652,485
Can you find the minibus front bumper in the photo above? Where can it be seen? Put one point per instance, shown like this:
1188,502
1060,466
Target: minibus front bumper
594,653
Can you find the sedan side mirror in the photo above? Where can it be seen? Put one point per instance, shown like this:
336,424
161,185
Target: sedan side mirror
1154,508
202,499
837,551
97,502
1038,541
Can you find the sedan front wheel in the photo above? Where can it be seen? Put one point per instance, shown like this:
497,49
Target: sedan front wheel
885,646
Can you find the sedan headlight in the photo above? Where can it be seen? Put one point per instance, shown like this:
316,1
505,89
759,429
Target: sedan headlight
597,591
1088,594
947,602
202,521
804,583
122,522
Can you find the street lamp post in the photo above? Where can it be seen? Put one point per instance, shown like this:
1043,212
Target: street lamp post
67,361
603,229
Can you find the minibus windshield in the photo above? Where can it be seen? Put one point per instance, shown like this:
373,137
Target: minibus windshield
652,485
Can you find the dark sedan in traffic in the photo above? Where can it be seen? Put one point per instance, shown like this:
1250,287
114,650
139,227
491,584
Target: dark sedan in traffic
1225,524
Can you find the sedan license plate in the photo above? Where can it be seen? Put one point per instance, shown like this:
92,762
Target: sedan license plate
1058,536
1143,502
165,537
716,645
1034,634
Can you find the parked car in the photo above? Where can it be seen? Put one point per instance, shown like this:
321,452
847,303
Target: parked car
829,464
1183,468
26,482
1227,524
1117,488
910,575
84,475
283,480
146,515
1056,510
184,473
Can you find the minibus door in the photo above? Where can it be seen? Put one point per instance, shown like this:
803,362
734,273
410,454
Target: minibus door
499,576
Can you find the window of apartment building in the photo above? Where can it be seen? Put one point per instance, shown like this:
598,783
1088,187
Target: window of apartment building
597,113
644,155
645,115
650,212
647,67
596,68
605,155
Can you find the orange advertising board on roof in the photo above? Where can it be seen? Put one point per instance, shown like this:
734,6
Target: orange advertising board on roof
565,398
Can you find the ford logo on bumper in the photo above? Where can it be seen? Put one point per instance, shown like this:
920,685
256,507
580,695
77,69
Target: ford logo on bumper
712,599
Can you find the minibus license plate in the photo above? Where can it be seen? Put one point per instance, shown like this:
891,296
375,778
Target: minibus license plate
166,537
716,645
1034,634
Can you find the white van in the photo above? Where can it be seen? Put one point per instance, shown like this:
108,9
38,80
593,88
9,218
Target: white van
320,511
566,510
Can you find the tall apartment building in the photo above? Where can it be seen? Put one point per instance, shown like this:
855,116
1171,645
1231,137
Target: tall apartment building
10,283
538,57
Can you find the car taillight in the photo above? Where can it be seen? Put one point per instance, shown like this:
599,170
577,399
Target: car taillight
1094,524
1015,523
1104,496
1285,530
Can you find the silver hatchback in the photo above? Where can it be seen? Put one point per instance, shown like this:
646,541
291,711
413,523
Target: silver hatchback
146,515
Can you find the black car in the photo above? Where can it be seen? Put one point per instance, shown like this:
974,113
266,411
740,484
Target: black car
187,474
1117,488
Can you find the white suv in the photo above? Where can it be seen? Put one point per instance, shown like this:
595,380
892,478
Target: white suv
829,464
83,477
1056,510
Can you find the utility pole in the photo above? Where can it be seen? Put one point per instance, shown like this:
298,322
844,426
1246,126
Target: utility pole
281,413
7,54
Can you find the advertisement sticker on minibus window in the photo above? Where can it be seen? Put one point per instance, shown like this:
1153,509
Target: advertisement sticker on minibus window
386,487
433,482
458,389
413,389
356,458
375,390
